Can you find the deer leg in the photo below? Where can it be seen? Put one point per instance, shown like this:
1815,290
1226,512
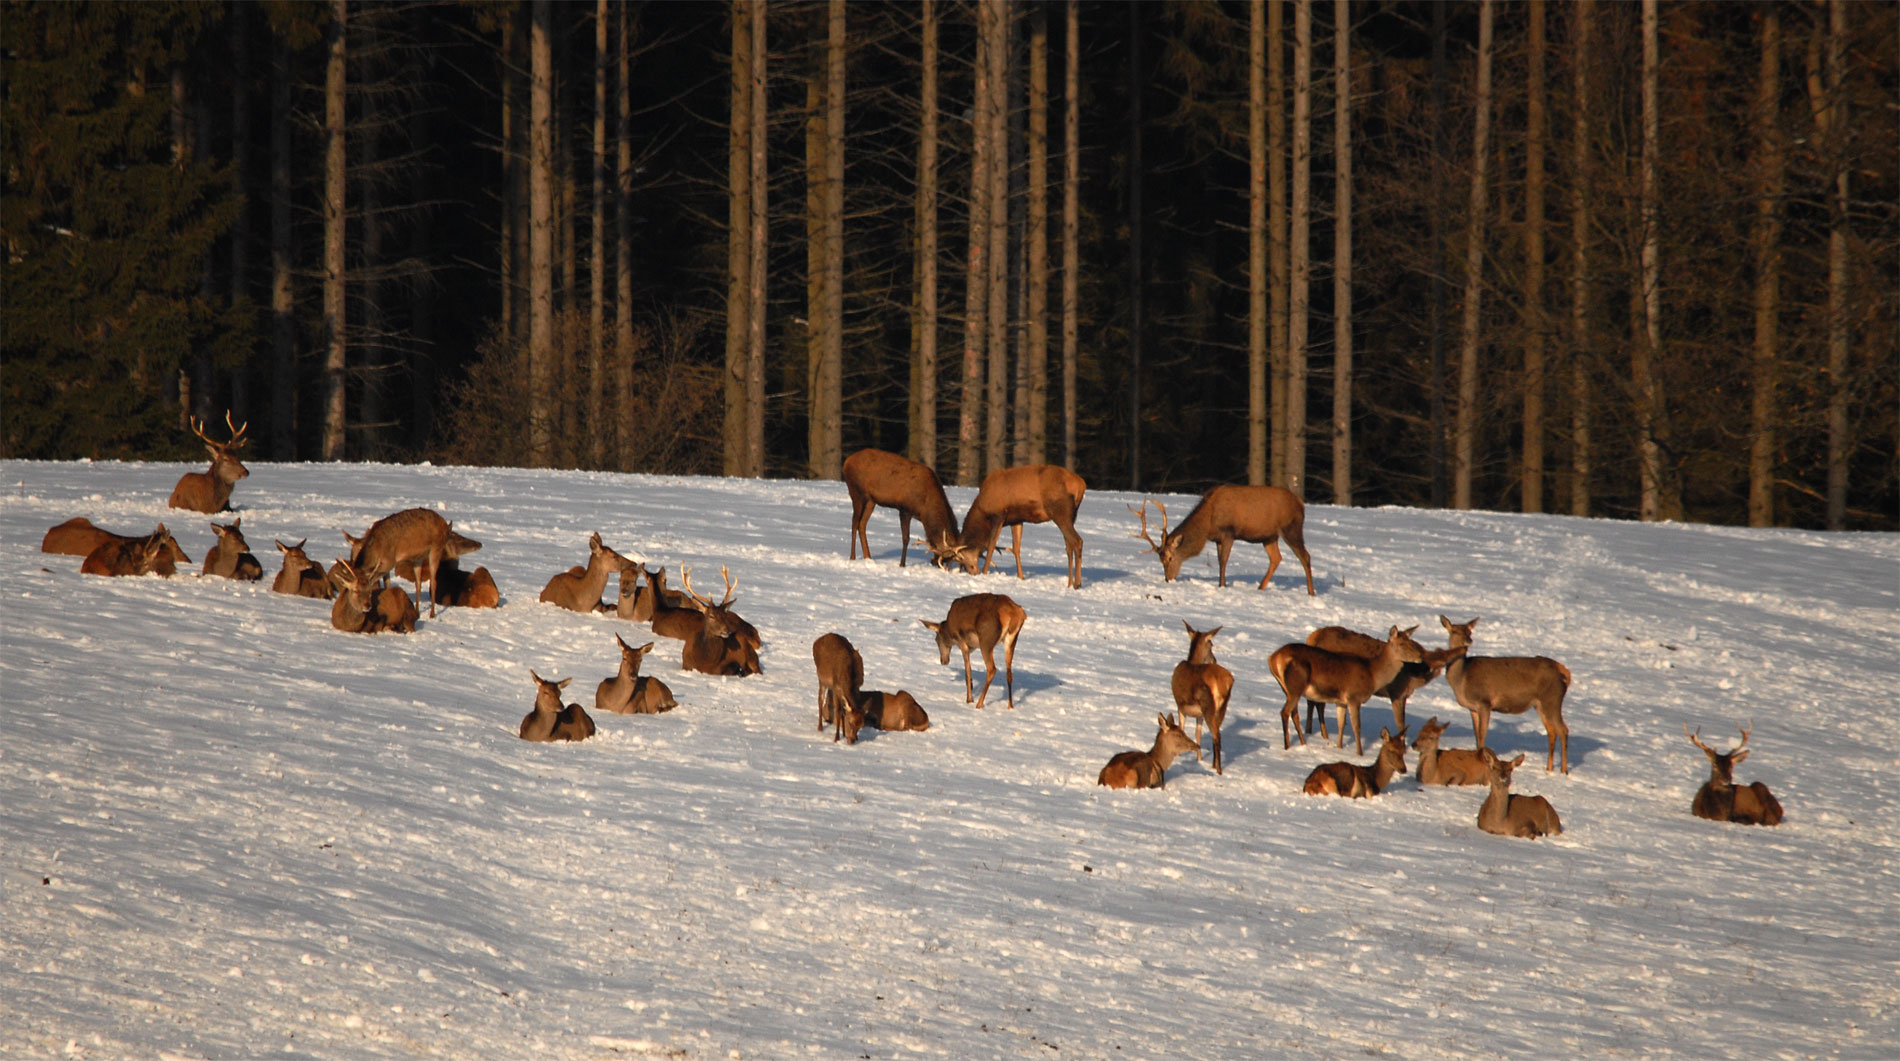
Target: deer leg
1016,545
1558,735
989,674
969,686
1293,681
1224,547
1398,712
1072,544
1306,563
903,554
1273,562
1480,723
1009,667
1360,741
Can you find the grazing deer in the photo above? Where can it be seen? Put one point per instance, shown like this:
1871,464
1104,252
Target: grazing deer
840,676
1720,799
1359,782
1202,689
1011,497
1510,685
78,537
717,647
1262,514
980,620
231,557
549,721
1330,678
630,692
892,711
209,491
876,477
369,605
1149,769
414,534
132,556
1411,677
1445,766
301,576
1507,815
579,590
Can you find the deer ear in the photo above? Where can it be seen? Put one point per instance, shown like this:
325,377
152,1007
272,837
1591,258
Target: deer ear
928,625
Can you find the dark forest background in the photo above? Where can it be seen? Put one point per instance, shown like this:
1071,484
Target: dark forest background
165,227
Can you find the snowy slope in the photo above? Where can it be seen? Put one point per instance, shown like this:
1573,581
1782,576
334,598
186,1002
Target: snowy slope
231,831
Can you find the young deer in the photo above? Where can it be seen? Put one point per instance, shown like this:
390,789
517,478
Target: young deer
629,692
78,537
133,556
980,620
1507,815
1149,769
549,721
840,677
1510,685
1262,514
875,477
577,589
1445,766
1411,677
1358,782
717,646
1202,689
209,491
231,557
1349,681
892,711
1720,799
414,534
301,576
361,607
1011,497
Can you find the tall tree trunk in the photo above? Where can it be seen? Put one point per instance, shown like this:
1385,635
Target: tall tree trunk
335,364
1136,321
1036,309
738,242
1299,249
1436,455
1770,179
977,259
1465,432
755,313
1532,492
283,384
1581,356
1278,278
817,231
997,278
1071,225
923,396
1257,244
827,384
510,171
599,429
541,367
1834,138
1342,252
1651,426
618,407
241,378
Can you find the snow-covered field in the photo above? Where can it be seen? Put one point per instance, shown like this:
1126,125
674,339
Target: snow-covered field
230,831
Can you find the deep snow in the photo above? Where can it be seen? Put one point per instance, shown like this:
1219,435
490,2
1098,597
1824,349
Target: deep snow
231,831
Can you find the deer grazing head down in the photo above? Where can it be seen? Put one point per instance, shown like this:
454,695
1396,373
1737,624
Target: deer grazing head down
1230,513
209,491
1721,799
980,620
876,477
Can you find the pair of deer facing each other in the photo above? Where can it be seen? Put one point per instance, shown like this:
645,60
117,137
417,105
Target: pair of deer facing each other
717,640
843,702
627,692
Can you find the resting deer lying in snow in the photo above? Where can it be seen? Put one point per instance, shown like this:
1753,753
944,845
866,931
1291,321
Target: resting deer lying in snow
549,721
1445,766
301,576
1507,815
369,606
629,692
78,537
231,557
1720,799
892,711
1149,769
1358,782
134,556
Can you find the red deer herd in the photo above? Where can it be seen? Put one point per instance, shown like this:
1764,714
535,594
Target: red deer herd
1333,665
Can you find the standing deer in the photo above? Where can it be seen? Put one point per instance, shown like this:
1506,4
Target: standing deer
1510,685
132,556
209,491
1507,815
231,557
78,537
1149,769
1262,514
1411,677
577,589
1328,677
1720,799
1011,497
369,605
1202,689
1445,766
717,647
840,677
876,477
1358,782
549,721
414,534
892,711
301,576
980,620
629,692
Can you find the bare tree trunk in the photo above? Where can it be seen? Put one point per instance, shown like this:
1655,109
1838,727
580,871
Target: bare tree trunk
510,170
1465,431
1257,244
1581,357
1834,137
1532,492
1278,276
977,262
283,386
599,427
1299,250
738,241
335,365
923,397
623,252
827,384
998,276
755,318
1342,252
1037,308
1435,455
1650,428
1135,306
241,399
1770,180
541,376
817,231
1071,226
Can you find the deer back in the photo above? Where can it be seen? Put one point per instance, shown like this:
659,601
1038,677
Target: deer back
895,481
1034,493
76,537
133,557
414,534
978,620
893,711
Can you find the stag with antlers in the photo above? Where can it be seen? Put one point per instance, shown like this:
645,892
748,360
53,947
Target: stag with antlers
209,491
1720,799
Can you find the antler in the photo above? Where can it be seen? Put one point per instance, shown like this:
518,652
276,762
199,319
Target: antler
1744,743
731,584
237,433
686,583
1143,513
1706,750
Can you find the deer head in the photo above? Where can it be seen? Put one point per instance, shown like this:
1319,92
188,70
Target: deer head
225,467
1721,764
1168,548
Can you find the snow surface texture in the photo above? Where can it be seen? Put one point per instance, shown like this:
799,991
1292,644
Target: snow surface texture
230,830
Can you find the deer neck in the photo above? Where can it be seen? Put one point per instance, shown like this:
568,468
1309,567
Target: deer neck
1384,771
1386,665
